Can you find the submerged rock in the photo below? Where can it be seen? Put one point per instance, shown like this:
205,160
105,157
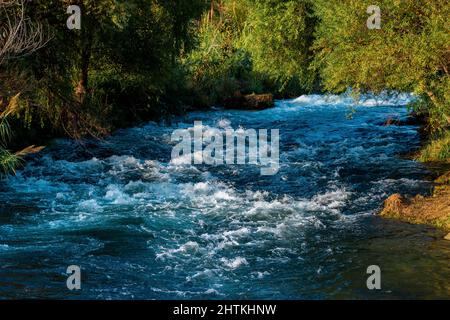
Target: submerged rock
413,119
250,102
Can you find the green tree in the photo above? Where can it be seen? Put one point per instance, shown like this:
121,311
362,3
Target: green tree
252,46
410,53
117,68
278,34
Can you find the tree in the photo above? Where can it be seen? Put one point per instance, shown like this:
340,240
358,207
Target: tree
410,53
252,46
117,68
278,34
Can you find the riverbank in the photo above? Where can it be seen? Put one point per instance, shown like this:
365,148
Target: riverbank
433,210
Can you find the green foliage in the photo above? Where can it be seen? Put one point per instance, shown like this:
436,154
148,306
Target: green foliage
8,160
410,53
5,159
216,68
122,58
438,149
278,35
252,46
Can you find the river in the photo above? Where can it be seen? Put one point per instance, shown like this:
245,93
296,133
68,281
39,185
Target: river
142,227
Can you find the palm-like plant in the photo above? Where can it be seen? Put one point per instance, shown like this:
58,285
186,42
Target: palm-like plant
18,36
10,161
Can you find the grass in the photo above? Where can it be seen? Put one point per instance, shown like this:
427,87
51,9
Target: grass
8,162
437,150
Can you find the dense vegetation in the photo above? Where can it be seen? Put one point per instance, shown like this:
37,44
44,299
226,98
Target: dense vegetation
252,46
136,60
409,53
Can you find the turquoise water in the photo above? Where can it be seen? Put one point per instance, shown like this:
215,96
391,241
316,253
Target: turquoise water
143,227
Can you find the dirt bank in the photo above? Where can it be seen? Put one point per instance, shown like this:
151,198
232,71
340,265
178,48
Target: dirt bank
433,210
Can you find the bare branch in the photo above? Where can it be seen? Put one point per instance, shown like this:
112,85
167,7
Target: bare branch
18,34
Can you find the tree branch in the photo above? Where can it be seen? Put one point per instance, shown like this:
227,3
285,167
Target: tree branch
18,34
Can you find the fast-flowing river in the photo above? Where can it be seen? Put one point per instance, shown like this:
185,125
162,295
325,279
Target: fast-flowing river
143,227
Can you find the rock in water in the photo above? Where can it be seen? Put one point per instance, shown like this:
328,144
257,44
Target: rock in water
250,102
259,101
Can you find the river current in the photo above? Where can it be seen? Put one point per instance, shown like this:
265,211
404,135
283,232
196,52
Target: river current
143,227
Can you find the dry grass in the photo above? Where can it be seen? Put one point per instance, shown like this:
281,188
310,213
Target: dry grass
434,210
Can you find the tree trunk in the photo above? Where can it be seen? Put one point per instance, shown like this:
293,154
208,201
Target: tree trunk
211,12
83,83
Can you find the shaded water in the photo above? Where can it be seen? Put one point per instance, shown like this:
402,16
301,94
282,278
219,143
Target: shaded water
142,227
